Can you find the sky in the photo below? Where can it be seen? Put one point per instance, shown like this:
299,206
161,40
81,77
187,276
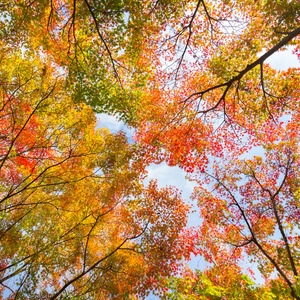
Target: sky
174,176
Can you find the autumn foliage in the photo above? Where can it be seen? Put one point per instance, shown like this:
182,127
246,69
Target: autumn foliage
192,79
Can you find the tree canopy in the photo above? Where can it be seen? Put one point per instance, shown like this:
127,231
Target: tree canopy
77,220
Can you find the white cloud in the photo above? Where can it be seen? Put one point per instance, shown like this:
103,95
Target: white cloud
114,125
282,60
174,176
109,122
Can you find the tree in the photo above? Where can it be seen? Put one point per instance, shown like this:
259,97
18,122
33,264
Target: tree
260,215
192,80
250,211
218,109
76,219
99,45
